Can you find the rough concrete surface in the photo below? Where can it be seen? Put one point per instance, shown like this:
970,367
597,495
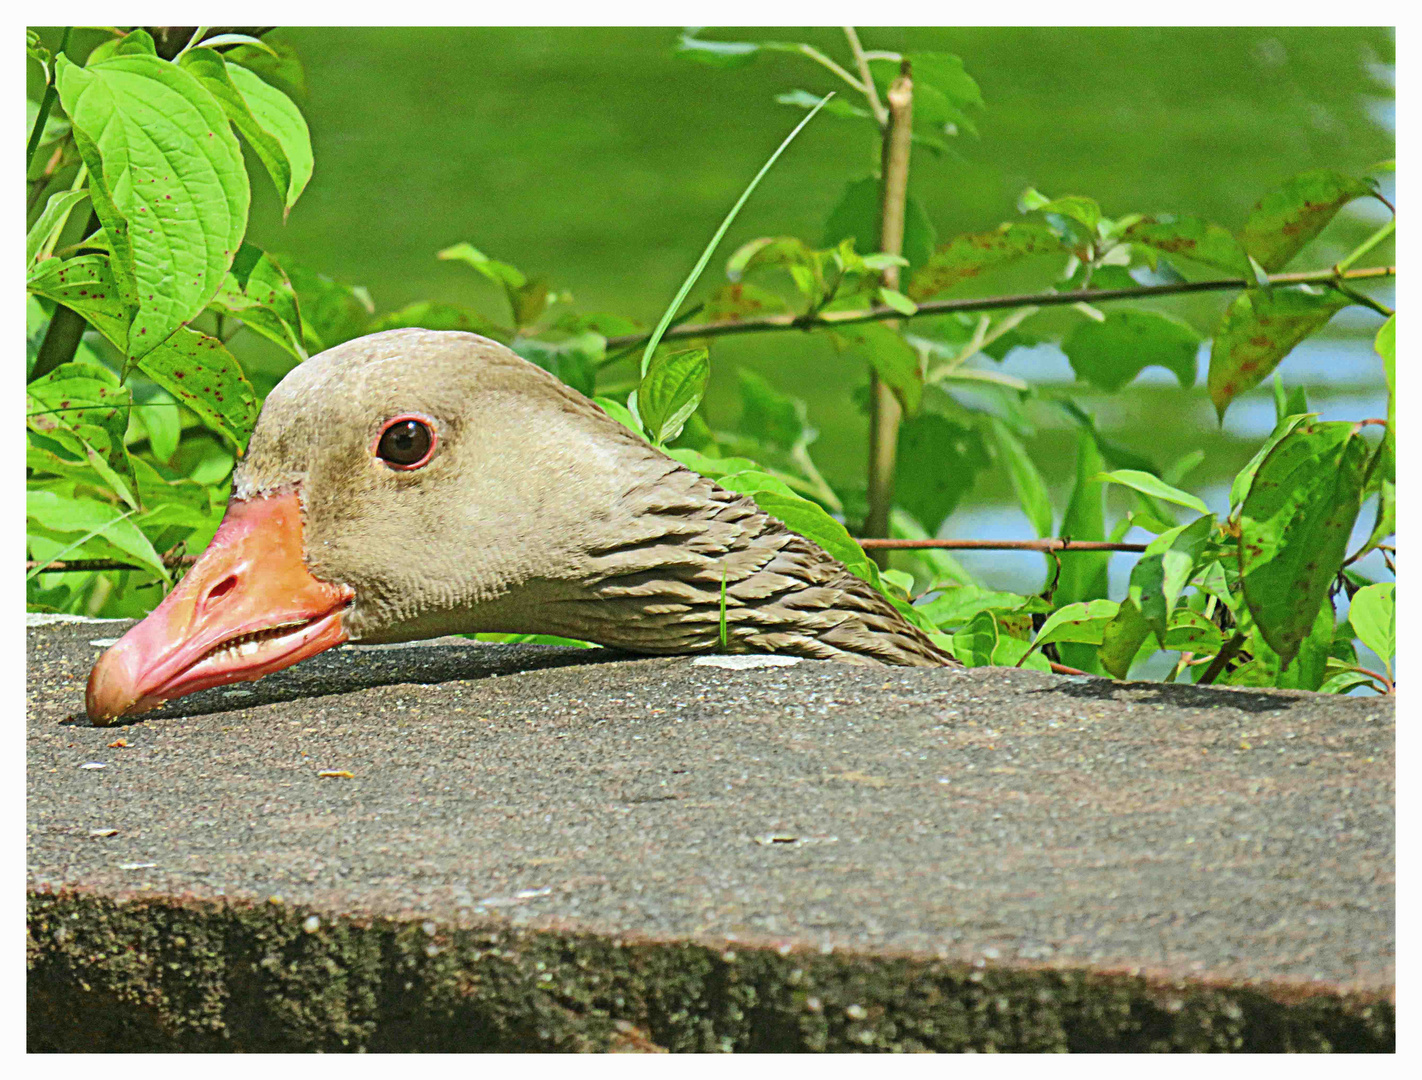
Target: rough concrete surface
541,848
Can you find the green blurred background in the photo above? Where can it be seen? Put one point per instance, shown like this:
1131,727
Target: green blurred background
597,157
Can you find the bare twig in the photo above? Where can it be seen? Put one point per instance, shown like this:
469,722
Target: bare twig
884,409
994,303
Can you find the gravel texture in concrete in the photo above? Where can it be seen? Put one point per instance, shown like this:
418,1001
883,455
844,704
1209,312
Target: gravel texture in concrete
457,846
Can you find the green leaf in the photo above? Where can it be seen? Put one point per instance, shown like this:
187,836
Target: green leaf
86,285
56,126
1258,330
1027,482
803,99
1164,569
769,415
1192,238
754,482
1182,466
1155,487
941,92
738,300
200,372
938,461
268,119
899,582
801,516
1287,218
1343,681
892,358
711,467
167,181
50,222
1084,211
1111,353
966,257
1081,622
1189,631
946,74
162,425
1245,477
956,606
974,644
897,300
1295,524
78,515
1014,652
331,311
1083,573
183,503
500,273
721,54
436,315
1386,346
258,292
35,50
786,251
670,392
1122,638
1307,670
573,358
82,407
858,214
1374,618
283,70
622,415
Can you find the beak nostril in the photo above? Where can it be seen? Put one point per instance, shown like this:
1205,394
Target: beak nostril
222,588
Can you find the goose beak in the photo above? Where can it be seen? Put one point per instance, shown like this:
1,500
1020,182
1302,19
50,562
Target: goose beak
248,607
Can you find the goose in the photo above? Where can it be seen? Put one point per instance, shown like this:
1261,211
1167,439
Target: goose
413,483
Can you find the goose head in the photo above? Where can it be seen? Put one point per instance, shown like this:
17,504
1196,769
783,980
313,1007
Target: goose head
416,483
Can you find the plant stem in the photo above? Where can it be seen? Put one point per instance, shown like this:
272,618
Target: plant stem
1226,654
998,303
884,411
861,61
51,91
1366,246
823,60
1365,301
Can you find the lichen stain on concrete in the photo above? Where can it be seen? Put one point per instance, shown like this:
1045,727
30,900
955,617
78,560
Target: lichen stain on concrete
170,975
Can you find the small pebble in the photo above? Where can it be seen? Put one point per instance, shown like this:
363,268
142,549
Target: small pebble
311,925
103,832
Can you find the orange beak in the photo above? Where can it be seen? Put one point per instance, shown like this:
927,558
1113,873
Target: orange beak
248,607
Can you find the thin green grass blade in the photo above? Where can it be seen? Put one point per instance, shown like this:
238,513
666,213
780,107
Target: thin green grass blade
690,281
77,544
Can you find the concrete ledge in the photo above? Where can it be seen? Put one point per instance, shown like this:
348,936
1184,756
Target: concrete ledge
554,849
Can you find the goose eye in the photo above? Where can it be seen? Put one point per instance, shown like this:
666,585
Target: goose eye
405,443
